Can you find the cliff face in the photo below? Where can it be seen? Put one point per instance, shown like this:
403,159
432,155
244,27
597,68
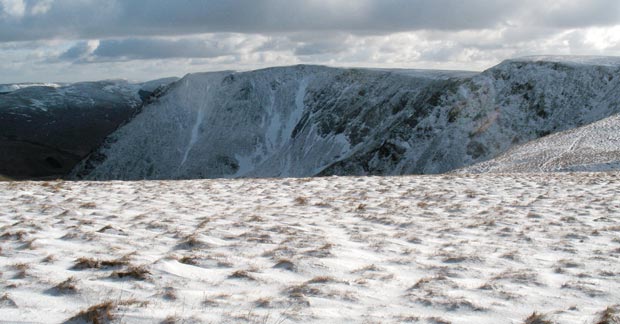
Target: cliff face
311,120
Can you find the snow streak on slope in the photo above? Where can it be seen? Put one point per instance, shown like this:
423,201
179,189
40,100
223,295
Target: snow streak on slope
312,120
196,128
595,147
422,249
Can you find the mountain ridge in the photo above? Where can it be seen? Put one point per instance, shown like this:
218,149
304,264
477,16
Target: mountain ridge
312,120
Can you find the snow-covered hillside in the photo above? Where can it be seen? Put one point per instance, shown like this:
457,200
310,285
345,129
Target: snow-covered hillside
594,147
312,120
45,129
416,249
6,88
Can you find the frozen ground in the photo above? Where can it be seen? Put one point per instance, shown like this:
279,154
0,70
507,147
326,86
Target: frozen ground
429,249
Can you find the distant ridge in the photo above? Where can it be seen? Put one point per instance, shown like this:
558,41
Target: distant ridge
311,120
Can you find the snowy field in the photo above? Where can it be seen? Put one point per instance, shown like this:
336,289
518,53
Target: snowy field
427,249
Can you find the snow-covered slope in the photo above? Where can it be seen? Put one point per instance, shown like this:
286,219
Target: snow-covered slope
416,249
312,120
46,129
594,147
10,87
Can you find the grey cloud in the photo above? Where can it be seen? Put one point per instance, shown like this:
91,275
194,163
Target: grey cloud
77,51
441,54
160,48
153,48
575,14
90,19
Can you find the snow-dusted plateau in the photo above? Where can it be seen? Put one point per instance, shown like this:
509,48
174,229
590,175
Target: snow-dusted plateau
341,196
482,248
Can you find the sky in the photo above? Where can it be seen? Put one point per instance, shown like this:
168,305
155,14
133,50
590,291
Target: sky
79,40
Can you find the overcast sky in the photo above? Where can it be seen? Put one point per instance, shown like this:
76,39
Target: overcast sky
73,40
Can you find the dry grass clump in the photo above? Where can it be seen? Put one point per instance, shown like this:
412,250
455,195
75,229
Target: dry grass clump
7,302
214,300
134,272
21,269
96,314
191,242
88,205
611,315
15,236
537,318
68,286
108,228
301,201
285,264
29,245
172,319
91,263
426,280
49,259
299,292
169,294
321,280
321,252
263,302
368,268
189,260
438,320
241,274
522,276
132,302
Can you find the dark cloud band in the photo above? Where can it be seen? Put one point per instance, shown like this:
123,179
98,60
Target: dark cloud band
89,19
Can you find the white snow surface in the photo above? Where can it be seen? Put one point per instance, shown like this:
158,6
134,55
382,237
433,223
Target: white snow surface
594,147
4,88
426,249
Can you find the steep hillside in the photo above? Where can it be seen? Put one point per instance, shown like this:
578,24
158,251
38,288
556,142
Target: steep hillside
594,147
45,130
312,120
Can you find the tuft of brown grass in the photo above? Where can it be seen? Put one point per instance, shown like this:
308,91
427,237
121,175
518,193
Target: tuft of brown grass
88,205
96,314
611,315
172,319
321,280
241,274
263,302
321,252
91,263
135,272
426,280
132,302
105,228
15,236
21,269
285,264
68,286
301,201
537,318
191,242
169,294
49,259
7,302
189,260
303,290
